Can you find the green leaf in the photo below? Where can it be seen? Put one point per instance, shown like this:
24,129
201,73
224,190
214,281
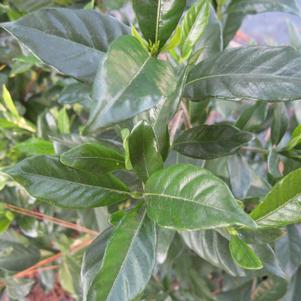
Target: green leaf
294,289
238,9
281,206
288,250
15,256
71,41
35,146
139,82
193,27
271,289
244,255
211,141
158,18
9,102
186,197
239,176
252,119
214,248
144,153
279,123
93,157
161,114
164,240
211,42
127,262
48,179
63,121
267,74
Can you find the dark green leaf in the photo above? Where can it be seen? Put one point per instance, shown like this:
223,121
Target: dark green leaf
158,18
281,206
15,256
127,262
239,176
211,141
244,255
93,157
186,197
160,115
214,248
48,179
72,41
139,82
267,73
279,123
294,288
144,153
271,289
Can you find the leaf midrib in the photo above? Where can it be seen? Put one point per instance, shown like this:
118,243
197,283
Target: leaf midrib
127,254
245,75
185,200
78,183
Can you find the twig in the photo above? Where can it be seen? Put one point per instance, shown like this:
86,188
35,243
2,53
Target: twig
175,124
52,219
255,149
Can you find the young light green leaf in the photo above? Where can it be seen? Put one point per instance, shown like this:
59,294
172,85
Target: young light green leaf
193,27
71,41
63,121
127,262
211,141
267,74
9,102
158,19
35,146
186,197
244,255
48,179
144,153
282,205
139,82
93,157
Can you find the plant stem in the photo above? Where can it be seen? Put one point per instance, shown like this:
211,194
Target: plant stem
52,219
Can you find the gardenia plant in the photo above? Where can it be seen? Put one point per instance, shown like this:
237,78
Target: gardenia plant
150,156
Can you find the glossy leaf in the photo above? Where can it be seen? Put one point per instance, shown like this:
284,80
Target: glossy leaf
144,153
267,74
281,206
244,255
93,157
48,179
139,82
238,9
127,261
279,123
71,41
214,248
211,141
211,42
193,27
158,18
185,197
160,115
